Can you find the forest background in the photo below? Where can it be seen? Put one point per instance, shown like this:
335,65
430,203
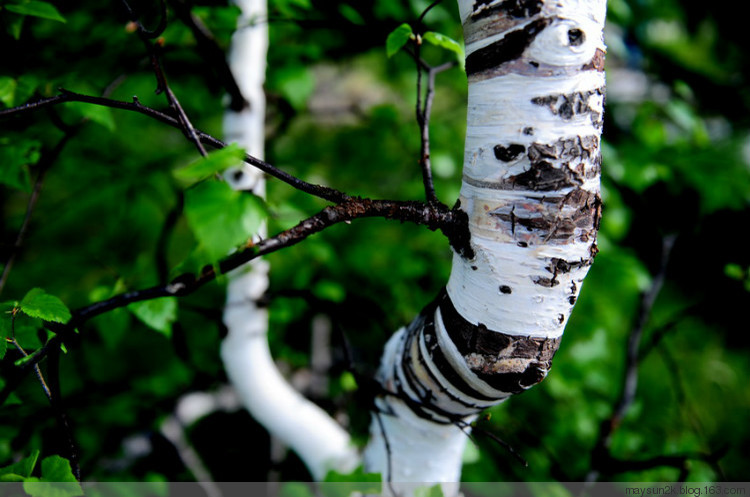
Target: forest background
666,299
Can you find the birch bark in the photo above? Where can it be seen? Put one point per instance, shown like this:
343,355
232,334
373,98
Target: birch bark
531,192
319,441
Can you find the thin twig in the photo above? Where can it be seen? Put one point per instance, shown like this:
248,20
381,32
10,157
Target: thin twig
423,111
323,192
212,54
425,11
388,453
423,121
600,454
45,162
162,86
55,399
145,33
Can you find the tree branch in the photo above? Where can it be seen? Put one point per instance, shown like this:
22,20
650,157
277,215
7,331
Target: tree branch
451,222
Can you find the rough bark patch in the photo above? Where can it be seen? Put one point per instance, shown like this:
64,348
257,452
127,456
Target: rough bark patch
570,105
543,176
507,363
597,62
563,218
506,49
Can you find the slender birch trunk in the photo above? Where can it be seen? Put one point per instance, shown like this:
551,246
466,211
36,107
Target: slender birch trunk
531,192
320,442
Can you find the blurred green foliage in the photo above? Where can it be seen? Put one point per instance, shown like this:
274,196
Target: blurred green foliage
113,215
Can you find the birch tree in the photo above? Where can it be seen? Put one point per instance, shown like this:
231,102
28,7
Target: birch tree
530,193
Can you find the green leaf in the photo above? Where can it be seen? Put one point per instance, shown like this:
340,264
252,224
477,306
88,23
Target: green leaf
43,10
296,83
433,491
57,480
39,304
22,468
442,41
216,162
158,314
348,483
329,290
94,113
351,15
220,217
7,90
15,158
397,39
295,489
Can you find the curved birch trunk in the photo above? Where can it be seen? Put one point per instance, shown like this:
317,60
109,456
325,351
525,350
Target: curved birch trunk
320,442
531,192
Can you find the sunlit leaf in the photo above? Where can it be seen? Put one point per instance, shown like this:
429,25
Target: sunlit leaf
39,304
220,217
397,39
15,157
158,314
44,10
216,162
21,469
57,480
442,41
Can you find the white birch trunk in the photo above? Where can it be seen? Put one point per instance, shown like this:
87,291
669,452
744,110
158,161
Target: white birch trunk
531,192
319,441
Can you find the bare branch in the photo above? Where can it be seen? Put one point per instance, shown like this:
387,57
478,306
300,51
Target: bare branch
451,222
323,192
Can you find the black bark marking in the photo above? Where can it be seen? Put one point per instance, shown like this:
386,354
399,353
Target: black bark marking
509,153
509,48
528,131
546,282
572,300
576,37
514,8
505,289
507,363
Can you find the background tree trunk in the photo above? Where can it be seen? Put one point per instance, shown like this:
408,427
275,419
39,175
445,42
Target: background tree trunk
320,442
